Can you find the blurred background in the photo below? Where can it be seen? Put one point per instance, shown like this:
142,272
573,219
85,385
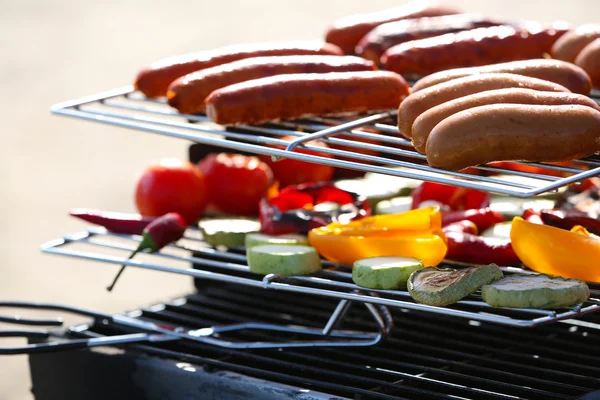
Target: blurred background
58,50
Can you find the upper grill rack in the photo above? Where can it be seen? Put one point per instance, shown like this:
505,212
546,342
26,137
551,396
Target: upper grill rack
126,107
333,282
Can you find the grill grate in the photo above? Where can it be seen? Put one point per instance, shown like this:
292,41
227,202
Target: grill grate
333,282
425,357
127,108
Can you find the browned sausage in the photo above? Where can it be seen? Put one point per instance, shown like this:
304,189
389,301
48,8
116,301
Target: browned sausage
376,42
187,94
589,60
569,46
154,80
514,132
425,123
419,102
346,32
472,48
564,73
291,96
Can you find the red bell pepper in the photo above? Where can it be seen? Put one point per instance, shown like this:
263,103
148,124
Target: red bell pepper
468,248
532,216
484,218
567,219
292,210
456,198
464,226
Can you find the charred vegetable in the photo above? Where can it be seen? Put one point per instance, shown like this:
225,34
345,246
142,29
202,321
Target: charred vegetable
535,291
440,287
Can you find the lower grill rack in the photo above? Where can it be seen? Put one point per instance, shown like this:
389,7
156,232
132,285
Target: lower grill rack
426,356
334,282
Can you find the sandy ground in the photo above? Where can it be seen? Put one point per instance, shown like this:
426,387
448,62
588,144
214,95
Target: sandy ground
57,50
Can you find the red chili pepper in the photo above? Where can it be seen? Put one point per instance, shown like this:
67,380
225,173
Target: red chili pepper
163,230
292,209
130,224
464,226
465,247
456,198
532,216
483,217
568,219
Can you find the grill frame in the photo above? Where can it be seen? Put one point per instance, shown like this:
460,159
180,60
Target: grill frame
333,282
125,107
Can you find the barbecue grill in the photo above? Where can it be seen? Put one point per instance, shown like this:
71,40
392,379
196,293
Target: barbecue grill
241,335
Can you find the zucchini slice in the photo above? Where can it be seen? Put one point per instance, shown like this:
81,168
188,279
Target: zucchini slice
284,260
394,206
257,239
384,272
227,232
499,231
440,287
535,291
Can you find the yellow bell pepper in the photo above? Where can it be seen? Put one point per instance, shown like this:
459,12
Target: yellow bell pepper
416,233
554,251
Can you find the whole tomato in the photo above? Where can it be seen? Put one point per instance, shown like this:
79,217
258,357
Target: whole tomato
294,172
235,182
172,185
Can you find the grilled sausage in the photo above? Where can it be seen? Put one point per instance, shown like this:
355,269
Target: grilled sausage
419,102
425,123
589,60
568,47
376,42
291,96
154,80
471,48
514,132
346,32
187,94
564,73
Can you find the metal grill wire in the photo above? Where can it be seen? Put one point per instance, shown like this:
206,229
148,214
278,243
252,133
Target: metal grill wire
333,282
126,108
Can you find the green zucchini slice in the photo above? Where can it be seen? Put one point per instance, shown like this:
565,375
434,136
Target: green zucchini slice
227,232
284,260
384,272
535,291
440,287
257,239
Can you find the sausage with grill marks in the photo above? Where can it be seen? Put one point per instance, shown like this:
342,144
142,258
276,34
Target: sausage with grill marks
425,123
419,102
292,96
346,32
589,60
568,47
154,80
376,42
564,73
187,94
475,47
514,132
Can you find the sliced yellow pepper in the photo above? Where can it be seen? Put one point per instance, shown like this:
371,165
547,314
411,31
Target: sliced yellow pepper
416,233
554,251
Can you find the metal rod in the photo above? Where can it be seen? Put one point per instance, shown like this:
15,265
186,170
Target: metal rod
338,314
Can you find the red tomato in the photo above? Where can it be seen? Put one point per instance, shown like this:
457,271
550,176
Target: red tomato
236,183
172,185
293,172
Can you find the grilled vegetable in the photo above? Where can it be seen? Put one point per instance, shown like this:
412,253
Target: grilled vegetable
456,198
284,260
257,239
393,206
468,248
498,231
163,230
482,217
384,272
227,232
129,224
440,287
535,291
